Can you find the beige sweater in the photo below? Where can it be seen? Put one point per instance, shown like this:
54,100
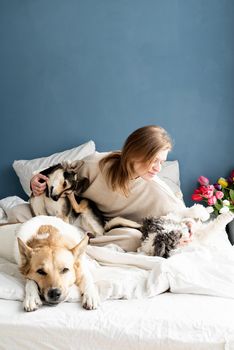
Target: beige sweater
146,198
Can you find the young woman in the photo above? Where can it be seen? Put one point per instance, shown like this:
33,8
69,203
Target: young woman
125,183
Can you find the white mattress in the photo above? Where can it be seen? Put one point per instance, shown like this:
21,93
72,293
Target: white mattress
166,322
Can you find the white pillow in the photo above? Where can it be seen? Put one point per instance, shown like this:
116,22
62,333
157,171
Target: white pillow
170,174
25,169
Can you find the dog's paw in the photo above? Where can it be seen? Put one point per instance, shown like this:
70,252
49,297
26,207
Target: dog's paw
108,226
225,218
32,303
90,299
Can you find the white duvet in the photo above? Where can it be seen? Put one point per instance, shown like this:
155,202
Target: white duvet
120,275
150,319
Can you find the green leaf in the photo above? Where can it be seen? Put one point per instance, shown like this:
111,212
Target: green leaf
232,195
218,206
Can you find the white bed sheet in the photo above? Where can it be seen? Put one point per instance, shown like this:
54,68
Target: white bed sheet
166,322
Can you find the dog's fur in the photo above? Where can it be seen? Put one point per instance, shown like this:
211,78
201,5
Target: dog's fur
161,235
62,198
51,256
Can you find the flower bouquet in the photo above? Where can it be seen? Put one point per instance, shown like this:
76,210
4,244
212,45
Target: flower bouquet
219,196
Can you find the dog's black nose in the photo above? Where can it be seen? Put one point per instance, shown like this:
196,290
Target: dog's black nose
54,294
55,198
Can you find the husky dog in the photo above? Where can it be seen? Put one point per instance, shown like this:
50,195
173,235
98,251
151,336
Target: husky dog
51,256
54,201
62,198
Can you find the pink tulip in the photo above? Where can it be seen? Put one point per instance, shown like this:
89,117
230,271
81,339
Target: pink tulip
219,194
207,191
212,200
203,181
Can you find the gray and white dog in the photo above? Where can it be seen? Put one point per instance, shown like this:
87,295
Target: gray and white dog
161,236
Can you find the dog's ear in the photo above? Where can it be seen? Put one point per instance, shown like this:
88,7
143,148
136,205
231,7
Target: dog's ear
165,242
82,185
51,169
160,249
25,252
75,166
80,248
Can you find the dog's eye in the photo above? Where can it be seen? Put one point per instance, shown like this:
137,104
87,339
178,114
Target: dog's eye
64,184
65,174
41,272
65,270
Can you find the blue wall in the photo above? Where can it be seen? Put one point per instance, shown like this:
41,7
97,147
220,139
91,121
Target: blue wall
76,70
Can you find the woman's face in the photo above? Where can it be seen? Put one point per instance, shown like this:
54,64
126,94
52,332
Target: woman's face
147,172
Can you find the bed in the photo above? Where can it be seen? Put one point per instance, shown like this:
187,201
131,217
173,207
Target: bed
152,303
168,321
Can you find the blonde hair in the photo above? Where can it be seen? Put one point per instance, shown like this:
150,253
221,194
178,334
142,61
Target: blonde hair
142,145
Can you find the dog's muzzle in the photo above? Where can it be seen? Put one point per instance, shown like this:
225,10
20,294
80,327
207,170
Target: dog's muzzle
53,295
56,196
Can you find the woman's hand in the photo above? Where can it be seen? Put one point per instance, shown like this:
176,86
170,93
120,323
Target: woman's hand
38,184
188,239
185,241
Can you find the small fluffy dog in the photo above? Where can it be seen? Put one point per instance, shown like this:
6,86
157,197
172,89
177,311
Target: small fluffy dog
51,256
62,198
161,236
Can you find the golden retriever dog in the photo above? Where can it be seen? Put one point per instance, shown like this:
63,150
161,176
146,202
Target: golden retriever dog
51,256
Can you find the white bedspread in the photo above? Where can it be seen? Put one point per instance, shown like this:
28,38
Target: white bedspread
120,275
149,320
194,270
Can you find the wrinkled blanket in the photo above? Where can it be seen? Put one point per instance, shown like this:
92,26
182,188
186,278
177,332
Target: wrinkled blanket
195,269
